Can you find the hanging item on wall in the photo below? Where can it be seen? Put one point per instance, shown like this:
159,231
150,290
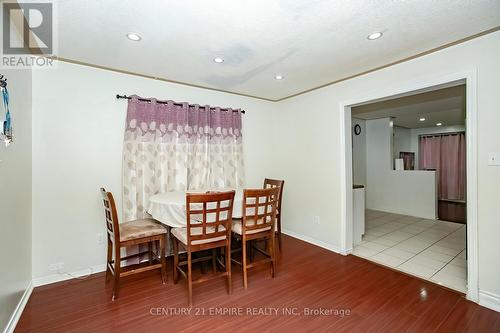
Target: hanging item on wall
6,134
357,129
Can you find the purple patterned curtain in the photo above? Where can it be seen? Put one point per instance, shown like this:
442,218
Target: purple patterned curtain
170,147
447,154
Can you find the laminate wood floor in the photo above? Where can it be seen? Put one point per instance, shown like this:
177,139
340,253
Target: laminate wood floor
315,290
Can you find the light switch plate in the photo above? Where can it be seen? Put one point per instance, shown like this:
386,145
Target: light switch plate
494,159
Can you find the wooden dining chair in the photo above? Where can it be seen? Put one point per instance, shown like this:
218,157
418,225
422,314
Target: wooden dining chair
142,231
271,183
209,220
257,223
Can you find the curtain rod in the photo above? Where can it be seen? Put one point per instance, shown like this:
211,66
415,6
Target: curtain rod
442,134
162,102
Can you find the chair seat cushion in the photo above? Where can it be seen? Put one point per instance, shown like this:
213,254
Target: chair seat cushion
140,228
237,224
181,235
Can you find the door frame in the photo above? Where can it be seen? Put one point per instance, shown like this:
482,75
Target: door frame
470,78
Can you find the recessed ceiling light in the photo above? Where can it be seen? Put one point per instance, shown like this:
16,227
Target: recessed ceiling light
218,60
133,36
375,35
422,119
439,124
279,77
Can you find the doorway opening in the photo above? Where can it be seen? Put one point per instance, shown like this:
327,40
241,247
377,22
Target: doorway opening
410,182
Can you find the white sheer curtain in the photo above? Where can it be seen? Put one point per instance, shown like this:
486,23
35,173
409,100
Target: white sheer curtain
155,155
198,148
226,151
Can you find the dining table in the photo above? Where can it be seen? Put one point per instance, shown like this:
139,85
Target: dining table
169,208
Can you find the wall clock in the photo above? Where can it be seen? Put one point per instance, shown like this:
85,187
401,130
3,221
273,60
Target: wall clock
357,129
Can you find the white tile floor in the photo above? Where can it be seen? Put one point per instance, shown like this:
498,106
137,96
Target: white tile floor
431,249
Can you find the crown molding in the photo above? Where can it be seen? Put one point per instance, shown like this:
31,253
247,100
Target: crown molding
77,62
418,55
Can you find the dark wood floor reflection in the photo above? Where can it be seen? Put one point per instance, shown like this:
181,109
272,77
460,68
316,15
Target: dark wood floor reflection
308,277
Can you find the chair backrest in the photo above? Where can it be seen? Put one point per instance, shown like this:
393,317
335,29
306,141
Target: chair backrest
271,183
209,215
111,215
259,209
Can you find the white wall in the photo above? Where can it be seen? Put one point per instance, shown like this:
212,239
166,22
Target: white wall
401,141
359,153
15,197
309,145
78,127
379,135
429,130
404,192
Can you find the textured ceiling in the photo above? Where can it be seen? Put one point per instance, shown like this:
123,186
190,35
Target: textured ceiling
310,42
446,106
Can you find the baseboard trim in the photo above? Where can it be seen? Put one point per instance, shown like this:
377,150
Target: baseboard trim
314,241
11,325
489,300
403,212
44,280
